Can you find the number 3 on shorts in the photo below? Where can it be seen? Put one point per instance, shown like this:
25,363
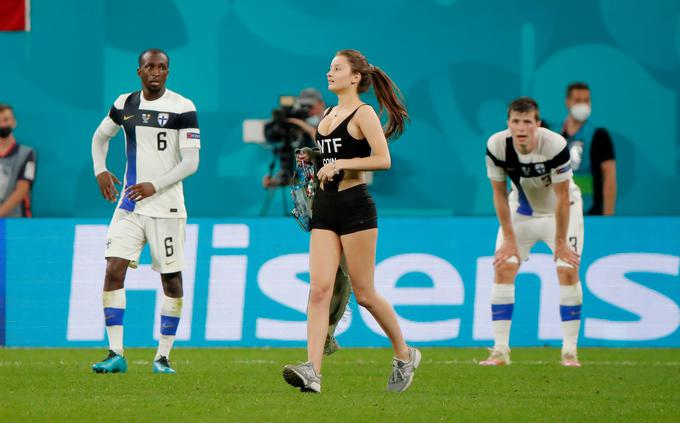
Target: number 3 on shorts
572,240
169,250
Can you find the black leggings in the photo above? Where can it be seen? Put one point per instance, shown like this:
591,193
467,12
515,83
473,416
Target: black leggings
344,212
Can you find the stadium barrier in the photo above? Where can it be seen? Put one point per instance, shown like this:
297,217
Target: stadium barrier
245,284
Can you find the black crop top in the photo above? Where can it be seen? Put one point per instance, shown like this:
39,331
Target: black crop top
339,144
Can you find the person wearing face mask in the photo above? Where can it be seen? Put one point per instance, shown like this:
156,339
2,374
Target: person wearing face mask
17,169
592,153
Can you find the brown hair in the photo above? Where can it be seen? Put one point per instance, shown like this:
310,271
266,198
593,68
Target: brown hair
524,105
576,86
5,106
388,94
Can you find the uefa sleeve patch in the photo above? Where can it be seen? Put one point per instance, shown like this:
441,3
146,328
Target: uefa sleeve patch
193,136
566,168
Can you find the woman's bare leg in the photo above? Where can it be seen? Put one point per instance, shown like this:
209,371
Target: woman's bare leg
359,249
324,259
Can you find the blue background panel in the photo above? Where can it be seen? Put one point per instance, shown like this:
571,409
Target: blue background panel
248,277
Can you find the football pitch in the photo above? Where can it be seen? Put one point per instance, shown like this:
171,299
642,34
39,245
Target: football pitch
246,385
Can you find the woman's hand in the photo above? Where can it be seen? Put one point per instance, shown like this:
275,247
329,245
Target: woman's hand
328,172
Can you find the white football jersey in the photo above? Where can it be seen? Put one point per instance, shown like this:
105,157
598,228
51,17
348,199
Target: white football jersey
154,133
533,174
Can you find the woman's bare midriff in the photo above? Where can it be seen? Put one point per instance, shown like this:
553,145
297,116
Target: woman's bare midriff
351,179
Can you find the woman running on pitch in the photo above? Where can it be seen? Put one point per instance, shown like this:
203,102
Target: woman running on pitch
351,140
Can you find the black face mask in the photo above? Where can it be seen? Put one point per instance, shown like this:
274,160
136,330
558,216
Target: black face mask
5,131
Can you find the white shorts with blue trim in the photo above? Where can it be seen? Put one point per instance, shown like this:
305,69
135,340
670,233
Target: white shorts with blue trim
129,231
531,229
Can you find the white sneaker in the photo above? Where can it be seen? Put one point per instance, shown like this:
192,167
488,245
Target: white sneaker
497,357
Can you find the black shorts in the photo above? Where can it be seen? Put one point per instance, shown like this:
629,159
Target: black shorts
344,212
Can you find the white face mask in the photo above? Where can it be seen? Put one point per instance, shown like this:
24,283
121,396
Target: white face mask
580,111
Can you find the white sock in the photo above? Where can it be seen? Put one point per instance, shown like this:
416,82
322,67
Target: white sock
571,299
171,310
502,305
114,309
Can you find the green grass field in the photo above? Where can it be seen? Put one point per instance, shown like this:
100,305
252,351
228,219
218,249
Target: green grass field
246,385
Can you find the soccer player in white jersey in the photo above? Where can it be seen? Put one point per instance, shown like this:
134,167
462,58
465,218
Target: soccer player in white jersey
544,205
162,141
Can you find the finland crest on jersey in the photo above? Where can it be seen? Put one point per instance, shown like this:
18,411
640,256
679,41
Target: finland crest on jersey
163,119
155,131
533,174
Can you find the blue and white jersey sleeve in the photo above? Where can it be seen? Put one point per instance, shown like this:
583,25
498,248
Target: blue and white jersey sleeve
189,133
107,129
495,157
114,120
560,163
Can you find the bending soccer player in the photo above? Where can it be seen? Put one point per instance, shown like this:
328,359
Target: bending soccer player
162,143
544,205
